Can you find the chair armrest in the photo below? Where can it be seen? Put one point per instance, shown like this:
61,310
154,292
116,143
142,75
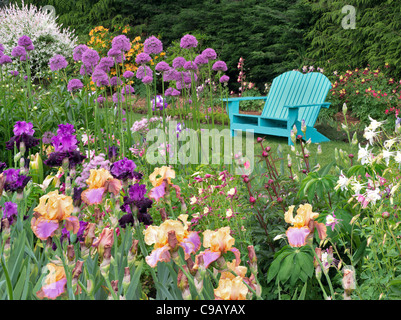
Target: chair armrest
244,98
324,105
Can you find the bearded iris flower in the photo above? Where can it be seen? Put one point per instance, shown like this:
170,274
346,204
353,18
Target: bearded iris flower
303,225
161,180
99,182
189,241
217,243
54,283
52,210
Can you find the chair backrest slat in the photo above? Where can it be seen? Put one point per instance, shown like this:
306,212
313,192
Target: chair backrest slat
295,88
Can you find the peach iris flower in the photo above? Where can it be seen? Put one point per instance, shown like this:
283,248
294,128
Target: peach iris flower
303,225
231,289
54,282
160,178
217,242
53,208
158,236
99,182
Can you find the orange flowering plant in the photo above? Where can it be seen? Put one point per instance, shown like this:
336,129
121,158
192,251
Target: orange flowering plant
101,38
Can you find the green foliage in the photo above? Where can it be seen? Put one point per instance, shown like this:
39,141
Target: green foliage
373,42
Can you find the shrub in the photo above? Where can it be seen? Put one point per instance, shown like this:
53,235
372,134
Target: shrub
48,37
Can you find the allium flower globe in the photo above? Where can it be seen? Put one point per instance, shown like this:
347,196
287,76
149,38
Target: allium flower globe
121,43
219,66
188,41
79,51
74,84
152,45
58,62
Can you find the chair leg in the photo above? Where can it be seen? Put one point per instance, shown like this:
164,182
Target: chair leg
233,133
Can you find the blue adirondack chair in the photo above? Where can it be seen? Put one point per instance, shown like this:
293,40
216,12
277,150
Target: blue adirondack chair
293,97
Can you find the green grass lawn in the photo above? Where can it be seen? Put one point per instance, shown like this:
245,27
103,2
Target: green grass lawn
324,158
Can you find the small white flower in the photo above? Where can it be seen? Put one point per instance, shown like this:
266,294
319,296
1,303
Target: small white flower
363,154
356,186
193,200
389,143
229,213
374,124
397,158
386,156
373,195
330,219
342,182
369,135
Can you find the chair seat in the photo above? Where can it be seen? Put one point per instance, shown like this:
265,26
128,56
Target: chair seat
294,98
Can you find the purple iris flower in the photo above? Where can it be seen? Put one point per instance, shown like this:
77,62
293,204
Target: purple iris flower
123,169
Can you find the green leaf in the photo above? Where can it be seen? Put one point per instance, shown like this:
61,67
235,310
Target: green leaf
285,268
359,252
303,292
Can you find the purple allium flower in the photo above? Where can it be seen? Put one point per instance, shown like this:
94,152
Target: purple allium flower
113,153
121,43
90,58
128,89
128,74
159,103
100,99
224,79
4,59
118,97
18,51
168,91
200,59
162,66
219,66
58,62
152,45
99,75
142,71
188,41
47,137
170,75
14,73
142,58
79,51
25,78
115,81
74,84
209,54
171,92
116,54
84,70
147,79
178,62
21,127
25,41
106,63
123,169
190,65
